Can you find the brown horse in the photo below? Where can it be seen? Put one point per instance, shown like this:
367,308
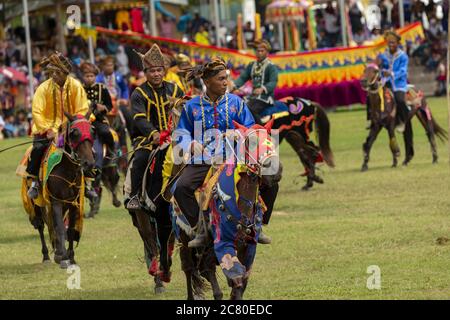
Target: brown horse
64,192
383,111
235,225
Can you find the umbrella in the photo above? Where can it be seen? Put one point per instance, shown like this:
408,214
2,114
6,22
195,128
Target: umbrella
14,74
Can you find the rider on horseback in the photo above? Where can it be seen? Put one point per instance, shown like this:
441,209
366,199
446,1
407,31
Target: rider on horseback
99,97
394,66
264,76
150,104
60,93
214,110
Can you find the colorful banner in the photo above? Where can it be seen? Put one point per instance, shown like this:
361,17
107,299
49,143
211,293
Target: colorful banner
298,69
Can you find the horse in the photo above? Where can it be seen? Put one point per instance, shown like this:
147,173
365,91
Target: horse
383,113
63,191
109,176
421,109
235,222
296,118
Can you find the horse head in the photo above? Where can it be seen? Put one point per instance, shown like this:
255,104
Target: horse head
260,156
80,140
370,77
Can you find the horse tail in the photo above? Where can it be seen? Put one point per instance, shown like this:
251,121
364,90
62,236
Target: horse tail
323,131
440,132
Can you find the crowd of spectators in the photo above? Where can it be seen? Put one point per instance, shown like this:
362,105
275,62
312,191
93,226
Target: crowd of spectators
15,112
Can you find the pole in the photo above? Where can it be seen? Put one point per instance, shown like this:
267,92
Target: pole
343,23
59,29
28,44
87,4
281,35
401,13
153,31
448,82
217,22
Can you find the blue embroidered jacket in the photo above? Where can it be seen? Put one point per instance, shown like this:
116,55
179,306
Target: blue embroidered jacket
398,64
200,115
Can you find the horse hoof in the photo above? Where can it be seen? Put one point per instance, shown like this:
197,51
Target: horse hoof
117,203
364,168
57,258
64,264
317,179
199,297
89,216
218,296
160,289
46,260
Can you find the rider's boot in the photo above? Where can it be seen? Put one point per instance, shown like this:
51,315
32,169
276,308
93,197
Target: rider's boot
264,239
134,203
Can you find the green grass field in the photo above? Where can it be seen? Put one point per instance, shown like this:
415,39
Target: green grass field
323,239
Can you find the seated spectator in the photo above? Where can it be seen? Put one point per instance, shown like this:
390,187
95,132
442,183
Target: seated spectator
202,36
22,124
359,37
2,127
9,130
323,40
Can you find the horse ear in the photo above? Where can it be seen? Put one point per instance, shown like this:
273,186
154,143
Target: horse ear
68,116
268,126
239,127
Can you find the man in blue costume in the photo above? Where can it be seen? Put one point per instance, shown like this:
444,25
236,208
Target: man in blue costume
394,68
214,110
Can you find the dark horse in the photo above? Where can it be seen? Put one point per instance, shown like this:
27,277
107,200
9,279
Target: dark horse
63,192
154,223
383,114
235,220
295,125
109,176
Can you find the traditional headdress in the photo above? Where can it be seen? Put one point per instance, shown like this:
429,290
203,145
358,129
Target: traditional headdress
87,67
207,70
261,42
152,58
182,58
56,62
392,35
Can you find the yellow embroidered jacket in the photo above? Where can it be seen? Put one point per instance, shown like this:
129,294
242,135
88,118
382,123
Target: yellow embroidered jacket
50,101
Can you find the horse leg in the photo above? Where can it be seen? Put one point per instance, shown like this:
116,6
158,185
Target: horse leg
237,288
187,266
394,146
429,129
61,256
217,292
374,131
110,180
73,215
148,235
297,143
40,227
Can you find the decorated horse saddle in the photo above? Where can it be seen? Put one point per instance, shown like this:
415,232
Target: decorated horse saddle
286,107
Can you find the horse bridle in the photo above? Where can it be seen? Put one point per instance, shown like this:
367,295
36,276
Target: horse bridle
73,156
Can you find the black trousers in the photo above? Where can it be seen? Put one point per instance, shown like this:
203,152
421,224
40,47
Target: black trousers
402,108
256,107
104,134
40,144
191,178
140,162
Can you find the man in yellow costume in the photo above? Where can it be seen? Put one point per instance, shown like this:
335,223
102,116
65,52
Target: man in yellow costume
60,93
